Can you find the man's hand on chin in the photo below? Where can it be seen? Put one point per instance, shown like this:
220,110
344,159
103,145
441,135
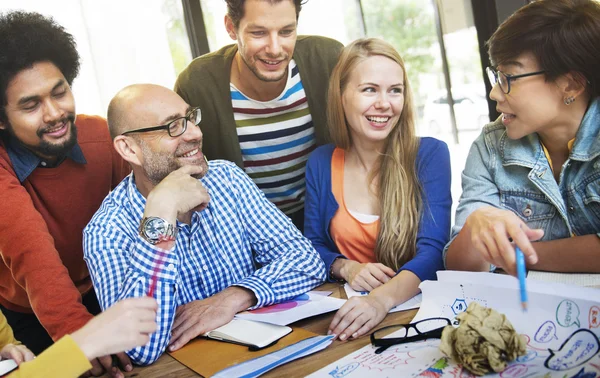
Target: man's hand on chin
199,317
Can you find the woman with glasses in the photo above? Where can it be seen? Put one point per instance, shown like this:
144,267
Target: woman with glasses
378,199
532,178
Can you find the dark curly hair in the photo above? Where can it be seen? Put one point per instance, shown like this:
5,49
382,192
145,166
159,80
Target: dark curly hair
235,9
27,38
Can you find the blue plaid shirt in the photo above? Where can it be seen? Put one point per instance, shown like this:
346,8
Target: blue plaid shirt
240,239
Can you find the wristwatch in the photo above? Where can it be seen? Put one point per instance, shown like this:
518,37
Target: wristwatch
155,230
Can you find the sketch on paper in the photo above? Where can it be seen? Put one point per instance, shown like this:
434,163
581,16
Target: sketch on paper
562,335
303,306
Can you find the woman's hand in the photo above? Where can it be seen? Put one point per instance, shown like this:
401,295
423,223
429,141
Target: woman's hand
366,276
19,353
358,316
126,325
494,232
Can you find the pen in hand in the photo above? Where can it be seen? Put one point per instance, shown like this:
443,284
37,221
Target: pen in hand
521,275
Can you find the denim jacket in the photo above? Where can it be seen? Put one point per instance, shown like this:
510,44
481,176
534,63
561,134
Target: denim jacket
516,175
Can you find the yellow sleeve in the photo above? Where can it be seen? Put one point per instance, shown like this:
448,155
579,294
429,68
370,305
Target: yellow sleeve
63,359
6,333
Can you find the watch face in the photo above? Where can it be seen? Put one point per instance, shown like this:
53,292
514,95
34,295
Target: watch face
155,227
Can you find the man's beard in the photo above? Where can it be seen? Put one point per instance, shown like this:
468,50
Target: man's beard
259,75
158,166
45,148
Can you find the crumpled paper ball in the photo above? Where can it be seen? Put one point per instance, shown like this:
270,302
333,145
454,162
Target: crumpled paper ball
485,341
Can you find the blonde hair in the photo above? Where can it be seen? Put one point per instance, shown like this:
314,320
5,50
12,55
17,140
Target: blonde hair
398,189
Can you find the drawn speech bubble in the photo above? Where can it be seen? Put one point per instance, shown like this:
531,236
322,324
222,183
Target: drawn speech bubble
546,332
530,356
390,359
567,313
594,317
342,371
517,370
578,349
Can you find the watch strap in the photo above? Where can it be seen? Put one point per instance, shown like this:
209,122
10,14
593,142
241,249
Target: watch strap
169,233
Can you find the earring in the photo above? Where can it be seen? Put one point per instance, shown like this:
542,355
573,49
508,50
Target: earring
569,100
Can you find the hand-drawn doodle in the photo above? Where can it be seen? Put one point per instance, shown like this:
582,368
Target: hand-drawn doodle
514,371
546,332
382,361
583,374
342,371
567,313
436,370
459,306
578,349
594,317
531,355
300,300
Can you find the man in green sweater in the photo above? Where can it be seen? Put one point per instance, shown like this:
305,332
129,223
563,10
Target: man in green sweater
263,99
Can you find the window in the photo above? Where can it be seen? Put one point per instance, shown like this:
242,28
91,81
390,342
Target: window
120,43
338,19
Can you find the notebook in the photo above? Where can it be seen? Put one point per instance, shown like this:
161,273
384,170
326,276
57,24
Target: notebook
6,366
216,355
247,332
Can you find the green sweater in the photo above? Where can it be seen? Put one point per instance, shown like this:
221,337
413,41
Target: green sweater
205,83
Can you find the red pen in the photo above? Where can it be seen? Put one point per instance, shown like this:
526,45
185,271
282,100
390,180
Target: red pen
158,261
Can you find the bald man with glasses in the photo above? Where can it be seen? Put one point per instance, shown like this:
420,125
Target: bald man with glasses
197,235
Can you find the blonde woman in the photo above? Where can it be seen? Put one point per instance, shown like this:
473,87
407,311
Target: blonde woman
378,199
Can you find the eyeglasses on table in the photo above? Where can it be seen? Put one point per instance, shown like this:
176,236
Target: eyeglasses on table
386,337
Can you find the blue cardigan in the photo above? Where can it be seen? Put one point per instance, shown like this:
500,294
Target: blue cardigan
433,167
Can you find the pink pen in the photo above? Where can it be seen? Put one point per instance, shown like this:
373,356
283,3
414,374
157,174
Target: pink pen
158,261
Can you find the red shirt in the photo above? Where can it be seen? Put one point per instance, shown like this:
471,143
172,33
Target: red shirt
41,223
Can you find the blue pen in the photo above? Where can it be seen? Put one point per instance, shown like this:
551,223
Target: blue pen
521,277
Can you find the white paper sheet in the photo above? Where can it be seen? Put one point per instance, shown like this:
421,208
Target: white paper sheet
579,279
562,334
510,282
7,366
261,365
414,302
304,306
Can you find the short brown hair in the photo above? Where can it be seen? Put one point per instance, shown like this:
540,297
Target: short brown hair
563,35
235,9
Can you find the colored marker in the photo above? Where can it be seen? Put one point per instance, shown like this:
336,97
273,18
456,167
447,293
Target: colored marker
158,262
521,276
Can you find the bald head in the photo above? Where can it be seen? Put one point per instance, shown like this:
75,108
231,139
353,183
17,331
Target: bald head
138,106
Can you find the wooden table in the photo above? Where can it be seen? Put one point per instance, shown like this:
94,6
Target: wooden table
167,366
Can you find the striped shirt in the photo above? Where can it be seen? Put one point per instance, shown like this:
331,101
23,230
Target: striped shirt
239,239
276,138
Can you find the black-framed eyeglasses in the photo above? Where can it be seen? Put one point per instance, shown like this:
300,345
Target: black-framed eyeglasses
430,328
176,127
499,77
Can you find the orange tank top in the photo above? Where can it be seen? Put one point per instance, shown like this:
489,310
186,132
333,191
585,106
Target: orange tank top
354,239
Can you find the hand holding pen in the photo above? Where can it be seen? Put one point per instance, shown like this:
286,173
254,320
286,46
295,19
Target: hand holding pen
521,275
494,233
